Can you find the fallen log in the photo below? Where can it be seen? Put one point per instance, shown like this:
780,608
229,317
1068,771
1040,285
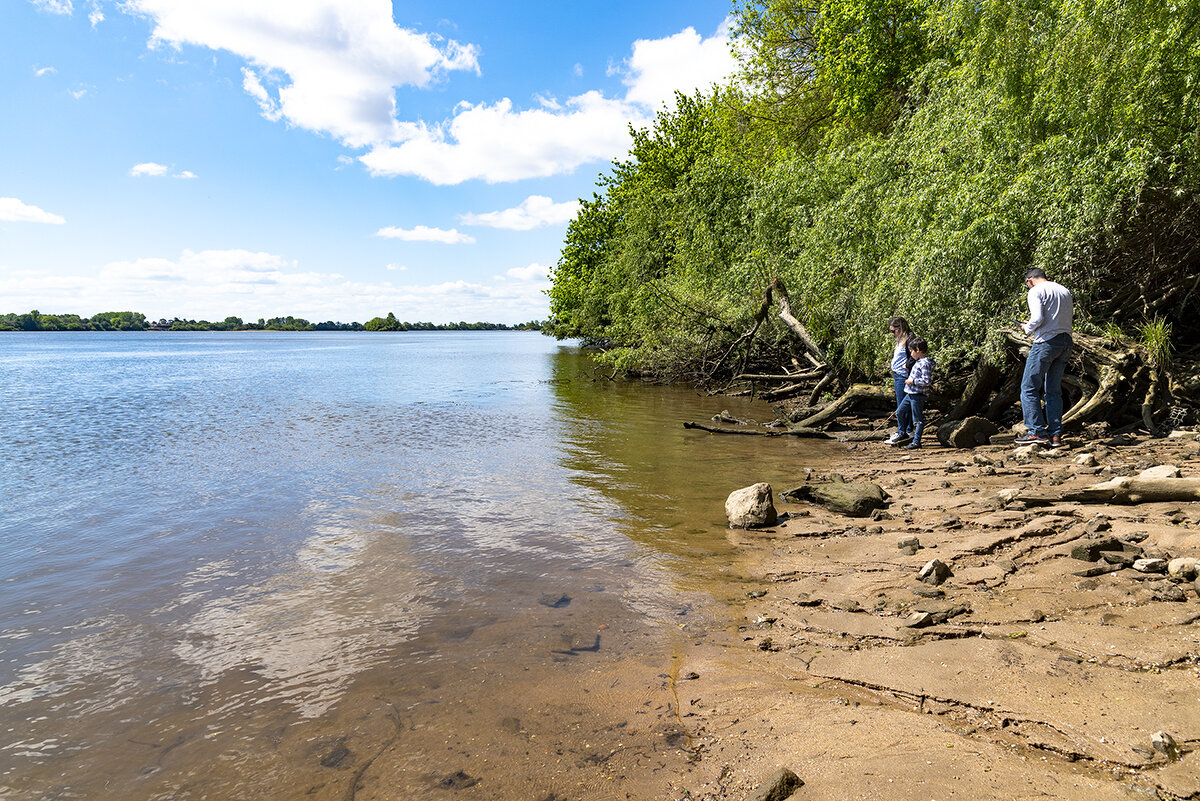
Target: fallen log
1124,490
809,433
849,399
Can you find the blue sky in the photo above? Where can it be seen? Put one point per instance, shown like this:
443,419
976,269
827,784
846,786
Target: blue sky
329,159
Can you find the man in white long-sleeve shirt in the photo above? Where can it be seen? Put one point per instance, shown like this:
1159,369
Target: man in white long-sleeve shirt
1051,313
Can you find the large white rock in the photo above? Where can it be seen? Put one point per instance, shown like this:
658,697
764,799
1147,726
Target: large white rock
1162,471
751,506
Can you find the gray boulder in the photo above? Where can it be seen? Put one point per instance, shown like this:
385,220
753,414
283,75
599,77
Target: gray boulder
751,507
853,499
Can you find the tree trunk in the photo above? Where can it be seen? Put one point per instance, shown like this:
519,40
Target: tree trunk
851,398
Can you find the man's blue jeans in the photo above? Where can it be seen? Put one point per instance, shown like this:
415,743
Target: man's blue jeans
1043,380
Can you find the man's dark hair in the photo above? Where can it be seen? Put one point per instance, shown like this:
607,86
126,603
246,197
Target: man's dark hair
1036,272
917,343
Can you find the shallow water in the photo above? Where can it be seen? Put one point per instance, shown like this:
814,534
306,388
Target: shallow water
341,565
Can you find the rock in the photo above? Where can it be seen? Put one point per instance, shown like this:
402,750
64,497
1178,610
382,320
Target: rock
929,592
1007,565
335,757
1096,570
751,507
1150,565
918,620
1182,567
846,605
458,781
934,572
1122,558
1086,460
1089,550
1169,592
853,499
908,542
1026,452
1161,471
1183,435
1165,744
1097,524
691,675
779,786
555,600
972,432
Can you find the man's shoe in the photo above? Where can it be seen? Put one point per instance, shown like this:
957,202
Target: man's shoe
895,439
913,446
1057,442
1032,439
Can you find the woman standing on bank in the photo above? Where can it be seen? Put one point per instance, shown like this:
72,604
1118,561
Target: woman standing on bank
902,362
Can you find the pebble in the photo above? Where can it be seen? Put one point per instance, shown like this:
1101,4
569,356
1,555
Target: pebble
935,572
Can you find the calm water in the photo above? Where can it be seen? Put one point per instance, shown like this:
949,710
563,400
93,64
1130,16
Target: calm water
344,565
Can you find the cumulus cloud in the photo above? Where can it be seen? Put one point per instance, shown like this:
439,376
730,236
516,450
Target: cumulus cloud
55,6
497,142
534,211
685,62
319,64
44,71
534,272
13,210
154,170
424,233
214,284
148,168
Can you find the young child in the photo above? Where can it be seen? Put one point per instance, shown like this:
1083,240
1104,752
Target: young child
911,414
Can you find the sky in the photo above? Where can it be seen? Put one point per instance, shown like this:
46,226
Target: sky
326,159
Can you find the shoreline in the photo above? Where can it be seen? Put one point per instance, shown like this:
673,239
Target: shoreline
1016,677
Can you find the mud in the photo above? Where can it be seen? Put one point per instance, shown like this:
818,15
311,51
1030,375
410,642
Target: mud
1022,679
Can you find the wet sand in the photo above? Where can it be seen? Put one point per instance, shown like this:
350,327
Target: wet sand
1028,681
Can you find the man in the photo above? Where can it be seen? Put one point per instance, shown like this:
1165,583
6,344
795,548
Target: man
1051,312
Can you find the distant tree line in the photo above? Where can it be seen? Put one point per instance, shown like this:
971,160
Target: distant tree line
134,321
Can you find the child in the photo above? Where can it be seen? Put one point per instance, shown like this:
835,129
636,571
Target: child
912,410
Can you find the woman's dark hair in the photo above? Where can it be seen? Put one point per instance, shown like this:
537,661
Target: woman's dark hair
901,323
916,343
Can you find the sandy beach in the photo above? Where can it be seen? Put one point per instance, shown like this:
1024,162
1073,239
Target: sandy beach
1026,673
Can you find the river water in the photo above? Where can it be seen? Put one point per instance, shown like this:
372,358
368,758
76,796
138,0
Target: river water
337,565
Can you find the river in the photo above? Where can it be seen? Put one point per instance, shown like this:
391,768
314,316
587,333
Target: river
346,565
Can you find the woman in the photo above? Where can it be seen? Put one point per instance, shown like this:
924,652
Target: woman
902,362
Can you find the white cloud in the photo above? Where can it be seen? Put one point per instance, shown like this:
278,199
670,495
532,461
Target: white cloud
78,93
322,65
44,71
154,170
148,168
534,272
400,267
497,142
95,16
13,210
684,62
424,233
55,6
215,284
534,211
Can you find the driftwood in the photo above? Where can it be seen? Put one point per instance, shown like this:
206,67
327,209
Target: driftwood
851,398
1123,490
809,433
785,314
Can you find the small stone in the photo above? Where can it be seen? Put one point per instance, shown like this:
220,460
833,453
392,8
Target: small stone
982,459
1037,616
1170,593
1150,565
779,786
1182,567
751,507
555,600
934,572
1119,558
691,675
875,530
918,620
929,592
335,757
846,605
1165,744
909,550
1161,471
1086,460
1089,550
1007,565
908,542
765,644
756,593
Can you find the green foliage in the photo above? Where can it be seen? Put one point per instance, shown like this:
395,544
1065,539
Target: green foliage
1155,336
887,157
